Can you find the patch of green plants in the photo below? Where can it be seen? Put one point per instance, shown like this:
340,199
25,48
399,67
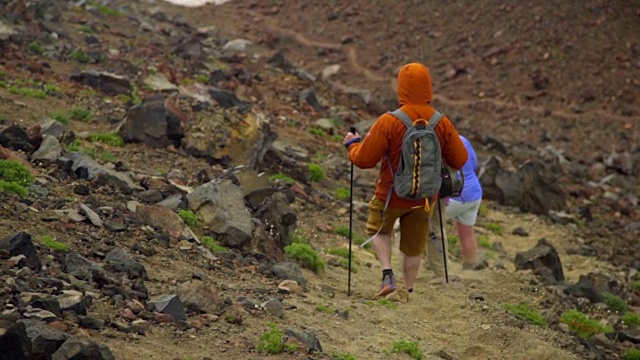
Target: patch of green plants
342,230
582,325
52,89
136,99
483,210
211,244
343,193
13,187
452,241
104,10
85,29
3,117
336,138
60,116
615,303
203,78
81,114
631,354
387,303
189,217
3,84
36,48
80,56
342,252
271,341
75,145
359,240
493,227
107,138
282,177
3,74
484,242
305,254
316,172
631,319
325,309
342,356
13,171
317,132
34,93
407,347
526,313
106,156
344,263
87,92
52,243
636,285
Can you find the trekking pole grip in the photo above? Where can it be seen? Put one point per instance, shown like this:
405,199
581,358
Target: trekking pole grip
353,130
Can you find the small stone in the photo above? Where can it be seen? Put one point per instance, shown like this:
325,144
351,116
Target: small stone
274,307
81,190
290,287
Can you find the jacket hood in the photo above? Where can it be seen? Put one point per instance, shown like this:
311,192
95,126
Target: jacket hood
414,85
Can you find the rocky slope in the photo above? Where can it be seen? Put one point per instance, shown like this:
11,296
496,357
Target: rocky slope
174,153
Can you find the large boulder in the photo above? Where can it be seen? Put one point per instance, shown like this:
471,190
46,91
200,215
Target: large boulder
155,122
78,349
14,343
220,206
543,259
228,137
86,167
532,188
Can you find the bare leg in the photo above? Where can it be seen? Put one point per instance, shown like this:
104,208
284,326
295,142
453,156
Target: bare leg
410,267
468,243
382,245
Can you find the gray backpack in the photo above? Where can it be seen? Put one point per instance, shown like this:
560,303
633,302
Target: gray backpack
418,174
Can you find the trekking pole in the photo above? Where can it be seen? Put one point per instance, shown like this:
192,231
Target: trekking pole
353,131
444,247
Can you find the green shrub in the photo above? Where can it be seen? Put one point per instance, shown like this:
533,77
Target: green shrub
13,187
109,139
631,319
483,210
342,230
387,303
526,313
3,74
343,193
36,48
407,347
342,356
85,29
282,177
212,245
272,341
60,116
342,252
631,354
81,114
615,303
317,132
52,243
107,156
35,93
359,240
582,325
13,171
636,285
484,242
306,255
316,172
325,309
298,238
189,217
73,146
80,56
493,227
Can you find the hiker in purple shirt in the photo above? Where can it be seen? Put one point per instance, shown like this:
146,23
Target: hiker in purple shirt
464,210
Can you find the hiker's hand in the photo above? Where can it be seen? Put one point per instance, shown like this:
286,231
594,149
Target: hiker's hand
351,138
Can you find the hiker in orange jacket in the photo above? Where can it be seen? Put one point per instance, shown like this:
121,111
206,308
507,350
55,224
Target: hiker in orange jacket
385,139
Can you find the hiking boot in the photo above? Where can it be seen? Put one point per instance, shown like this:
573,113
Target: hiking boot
388,286
475,267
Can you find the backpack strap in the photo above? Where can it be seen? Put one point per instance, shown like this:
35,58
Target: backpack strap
435,119
403,117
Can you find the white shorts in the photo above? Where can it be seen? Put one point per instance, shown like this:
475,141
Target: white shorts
463,212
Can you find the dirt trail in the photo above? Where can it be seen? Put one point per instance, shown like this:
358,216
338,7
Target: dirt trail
437,317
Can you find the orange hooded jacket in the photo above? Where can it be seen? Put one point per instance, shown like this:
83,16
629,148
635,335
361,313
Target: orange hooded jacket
385,136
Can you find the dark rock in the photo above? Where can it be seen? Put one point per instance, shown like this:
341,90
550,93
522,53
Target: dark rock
631,335
227,99
91,169
81,190
120,260
279,217
543,255
531,188
115,226
16,138
93,323
47,303
74,301
289,271
83,269
307,338
309,97
44,340
77,349
585,288
53,128
14,343
149,196
170,305
107,83
153,123
21,244
520,232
